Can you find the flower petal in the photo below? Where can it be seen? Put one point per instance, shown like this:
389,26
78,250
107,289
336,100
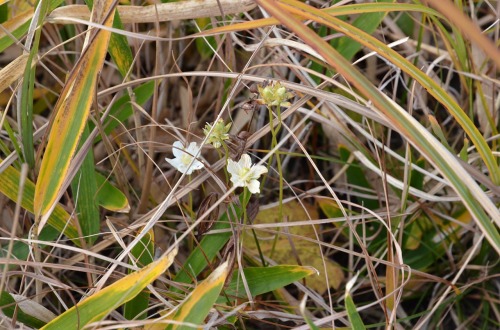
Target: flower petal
254,186
257,171
237,182
193,149
233,167
174,162
245,161
197,165
177,149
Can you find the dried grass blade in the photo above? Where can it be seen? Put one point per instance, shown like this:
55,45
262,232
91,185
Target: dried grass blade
473,197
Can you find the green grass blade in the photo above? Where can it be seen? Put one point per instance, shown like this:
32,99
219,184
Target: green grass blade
143,253
367,22
21,249
119,48
26,93
352,312
18,25
265,279
9,308
84,188
432,87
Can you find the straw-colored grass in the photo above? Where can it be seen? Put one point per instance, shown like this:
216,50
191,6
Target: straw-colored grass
249,164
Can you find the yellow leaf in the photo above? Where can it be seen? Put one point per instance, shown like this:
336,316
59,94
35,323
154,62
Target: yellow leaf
72,110
282,251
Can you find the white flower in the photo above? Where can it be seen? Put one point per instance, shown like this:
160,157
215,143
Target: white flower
184,156
244,174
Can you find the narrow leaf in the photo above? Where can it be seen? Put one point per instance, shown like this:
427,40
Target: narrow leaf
18,25
119,48
26,92
9,307
352,312
266,279
209,246
72,111
84,188
196,306
110,197
143,253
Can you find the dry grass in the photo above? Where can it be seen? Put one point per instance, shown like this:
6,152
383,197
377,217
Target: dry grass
347,189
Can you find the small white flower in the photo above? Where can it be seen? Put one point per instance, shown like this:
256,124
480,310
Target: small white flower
244,174
184,156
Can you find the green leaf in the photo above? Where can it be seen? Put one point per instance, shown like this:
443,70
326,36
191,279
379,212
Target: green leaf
476,201
353,315
119,48
4,13
143,253
205,45
18,25
21,249
352,312
26,120
84,188
367,22
11,309
265,279
110,197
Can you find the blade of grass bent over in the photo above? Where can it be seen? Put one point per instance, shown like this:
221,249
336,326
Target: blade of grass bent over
476,201
361,8
72,110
